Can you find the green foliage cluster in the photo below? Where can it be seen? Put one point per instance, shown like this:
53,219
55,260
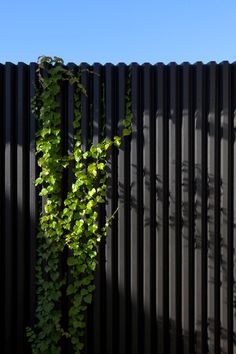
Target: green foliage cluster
72,222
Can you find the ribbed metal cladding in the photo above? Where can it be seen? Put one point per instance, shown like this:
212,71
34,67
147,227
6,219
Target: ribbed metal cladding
165,277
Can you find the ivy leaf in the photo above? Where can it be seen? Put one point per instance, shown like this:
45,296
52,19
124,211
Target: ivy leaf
88,299
72,261
92,192
84,292
70,290
99,199
101,166
47,208
76,124
107,144
45,132
89,206
92,169
126,132
43,192
91,287
93,228
127,122
86,154
117,141
38,181
78,324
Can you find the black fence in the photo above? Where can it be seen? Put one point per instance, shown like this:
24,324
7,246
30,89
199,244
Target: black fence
165,279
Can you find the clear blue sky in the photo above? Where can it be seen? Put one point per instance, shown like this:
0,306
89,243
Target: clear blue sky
118,31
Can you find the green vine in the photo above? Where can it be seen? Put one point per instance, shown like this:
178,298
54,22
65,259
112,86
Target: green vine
72,222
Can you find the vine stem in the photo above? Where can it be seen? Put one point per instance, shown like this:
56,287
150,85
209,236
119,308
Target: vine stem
72,222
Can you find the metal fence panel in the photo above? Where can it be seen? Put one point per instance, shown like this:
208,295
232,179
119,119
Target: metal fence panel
165,279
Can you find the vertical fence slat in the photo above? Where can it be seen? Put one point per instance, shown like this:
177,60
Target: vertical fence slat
188,211
32,197
217,212
121,242
175,212
191,216
146,200
198,206
211,245
85,142
172,219
228,206
225,210
98,303
159,210
165,206
162,213
111,241
201,211
185,208
178,211
136,222
68,180
212,120
22,203
123,218
149,205
204,207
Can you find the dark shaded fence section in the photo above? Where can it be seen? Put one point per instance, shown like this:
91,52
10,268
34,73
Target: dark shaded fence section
165,278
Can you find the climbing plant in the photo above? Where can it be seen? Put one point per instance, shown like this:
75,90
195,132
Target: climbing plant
71,222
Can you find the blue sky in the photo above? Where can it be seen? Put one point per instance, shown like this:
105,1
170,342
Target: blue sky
118,31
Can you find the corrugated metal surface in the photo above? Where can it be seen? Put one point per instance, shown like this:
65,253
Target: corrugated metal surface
166,272
18,204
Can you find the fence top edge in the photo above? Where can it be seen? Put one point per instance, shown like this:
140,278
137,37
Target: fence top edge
133,63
